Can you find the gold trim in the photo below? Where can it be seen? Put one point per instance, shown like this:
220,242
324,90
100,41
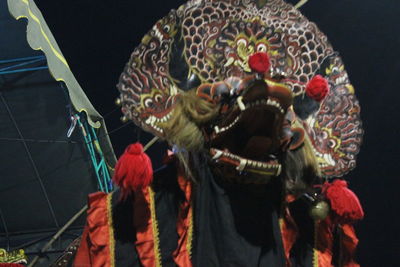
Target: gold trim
272,83
154,226
110,230
190,231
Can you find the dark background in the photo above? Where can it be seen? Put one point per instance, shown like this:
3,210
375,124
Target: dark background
97,37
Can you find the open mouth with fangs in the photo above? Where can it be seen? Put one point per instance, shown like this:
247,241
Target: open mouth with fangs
247,136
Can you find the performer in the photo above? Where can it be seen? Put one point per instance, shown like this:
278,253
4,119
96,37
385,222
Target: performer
261,118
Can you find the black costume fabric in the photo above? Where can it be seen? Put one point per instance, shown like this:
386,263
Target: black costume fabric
234,224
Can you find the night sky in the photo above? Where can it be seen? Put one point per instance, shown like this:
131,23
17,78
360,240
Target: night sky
97,37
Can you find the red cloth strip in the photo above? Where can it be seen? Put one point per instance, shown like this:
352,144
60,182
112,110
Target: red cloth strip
289,232
184,225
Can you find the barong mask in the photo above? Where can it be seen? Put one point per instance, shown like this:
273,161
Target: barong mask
190,82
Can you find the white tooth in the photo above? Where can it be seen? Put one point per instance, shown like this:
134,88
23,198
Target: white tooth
218,154
329,159
242,165
278,172
216,129
239,100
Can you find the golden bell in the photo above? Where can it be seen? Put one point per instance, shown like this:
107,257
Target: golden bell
124,119
319,210
118,102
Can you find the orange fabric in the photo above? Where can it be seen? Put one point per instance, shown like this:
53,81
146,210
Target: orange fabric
182,253
95,249
143,223
82,257
289,232
323,243
290,198
349,244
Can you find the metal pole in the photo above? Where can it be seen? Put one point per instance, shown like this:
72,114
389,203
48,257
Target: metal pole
300,4
58,234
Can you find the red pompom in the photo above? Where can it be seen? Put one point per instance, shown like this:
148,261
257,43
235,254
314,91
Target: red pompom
343,201
134,169
259,62
317,88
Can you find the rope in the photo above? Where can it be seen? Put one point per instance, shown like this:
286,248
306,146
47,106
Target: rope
38,140
20,59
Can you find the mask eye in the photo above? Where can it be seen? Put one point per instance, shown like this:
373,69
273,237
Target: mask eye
324,135
148,103
166,28
158,98
241,41
261,48
331,143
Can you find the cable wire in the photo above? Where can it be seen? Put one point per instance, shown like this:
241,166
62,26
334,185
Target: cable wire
31,160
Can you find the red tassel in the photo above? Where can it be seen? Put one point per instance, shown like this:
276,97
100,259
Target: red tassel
343,201
259,62
133,170
317,88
